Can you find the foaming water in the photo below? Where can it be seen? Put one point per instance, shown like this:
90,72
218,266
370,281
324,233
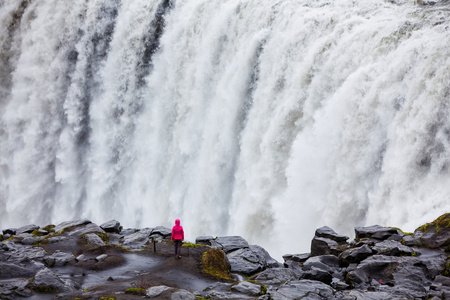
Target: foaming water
265,119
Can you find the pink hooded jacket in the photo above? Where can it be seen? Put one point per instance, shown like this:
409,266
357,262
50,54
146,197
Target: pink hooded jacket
177,231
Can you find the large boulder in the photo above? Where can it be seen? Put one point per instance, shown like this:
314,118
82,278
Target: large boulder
83,229
355,255
230,243
46,281
270,262
327,232
24,254
403,276
275,276
10,270
93,239
27,229
375,231
204,240
302,289
71,224
248,288
437,233
112,226
321,268
323,246
137,240
161,230
392,248
10,231
296,257
246,261
58,259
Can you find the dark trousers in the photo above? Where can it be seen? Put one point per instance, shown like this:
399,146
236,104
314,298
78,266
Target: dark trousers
178,247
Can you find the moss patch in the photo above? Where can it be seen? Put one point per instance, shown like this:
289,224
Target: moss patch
191,245
49,228
44,290
446,272
136,291
440,223
404,233
214,263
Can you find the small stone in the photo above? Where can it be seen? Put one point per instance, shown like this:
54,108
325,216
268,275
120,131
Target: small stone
156,291
247,288
101,257
81,258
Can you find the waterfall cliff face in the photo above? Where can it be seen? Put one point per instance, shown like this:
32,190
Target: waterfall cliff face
265,119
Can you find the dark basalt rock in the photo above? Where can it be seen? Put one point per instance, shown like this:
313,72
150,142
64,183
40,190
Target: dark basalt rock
296,257
321,268
137,240
93,240
58,259
46,281
11,270
375,231
247,288
355,255
161,230
9,231
437,233
112,226
204,240
324,246
404,277
275,276
27,229
230,243
302,289
65,225
270,262
392,248
327,232
246,261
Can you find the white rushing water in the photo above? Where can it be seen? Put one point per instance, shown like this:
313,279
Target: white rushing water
265,119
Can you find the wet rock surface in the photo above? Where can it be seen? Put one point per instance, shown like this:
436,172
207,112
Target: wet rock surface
81,260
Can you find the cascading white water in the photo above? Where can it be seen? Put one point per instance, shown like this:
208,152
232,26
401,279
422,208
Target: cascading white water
265,119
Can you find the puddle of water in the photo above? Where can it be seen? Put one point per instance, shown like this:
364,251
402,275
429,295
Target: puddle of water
134,266
188,281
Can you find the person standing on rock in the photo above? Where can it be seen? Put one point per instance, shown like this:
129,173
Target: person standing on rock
177,237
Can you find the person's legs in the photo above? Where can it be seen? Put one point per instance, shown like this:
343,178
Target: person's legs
178,244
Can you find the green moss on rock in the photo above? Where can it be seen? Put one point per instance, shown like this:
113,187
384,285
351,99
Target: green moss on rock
214,263
49,228
191,245
136,291
437,225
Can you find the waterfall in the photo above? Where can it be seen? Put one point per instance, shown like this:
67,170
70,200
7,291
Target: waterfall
265,119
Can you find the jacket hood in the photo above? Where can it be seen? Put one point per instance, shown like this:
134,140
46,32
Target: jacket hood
177,222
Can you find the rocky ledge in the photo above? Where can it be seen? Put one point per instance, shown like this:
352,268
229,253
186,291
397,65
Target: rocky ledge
81,260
